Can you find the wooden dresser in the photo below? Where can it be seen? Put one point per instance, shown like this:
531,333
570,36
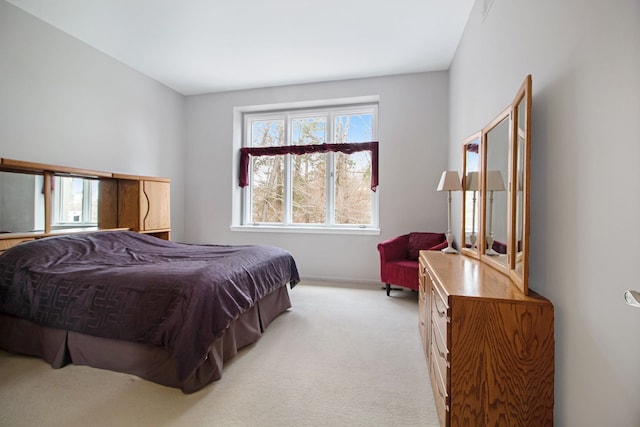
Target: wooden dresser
489,347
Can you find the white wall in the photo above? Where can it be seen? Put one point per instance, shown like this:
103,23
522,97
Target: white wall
585,62
413,130
64,103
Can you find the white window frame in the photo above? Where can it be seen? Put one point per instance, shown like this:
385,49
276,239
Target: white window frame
290,112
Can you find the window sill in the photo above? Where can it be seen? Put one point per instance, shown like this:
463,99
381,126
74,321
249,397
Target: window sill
307,230
71,226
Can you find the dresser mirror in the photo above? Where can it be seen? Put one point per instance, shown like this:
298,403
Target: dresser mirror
495,200
521,155
499,156
471,190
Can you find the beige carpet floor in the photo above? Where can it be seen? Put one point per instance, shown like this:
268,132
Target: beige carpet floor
342,356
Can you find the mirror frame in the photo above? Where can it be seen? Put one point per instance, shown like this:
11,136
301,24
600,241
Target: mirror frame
503,267
474,253
517,265
520,275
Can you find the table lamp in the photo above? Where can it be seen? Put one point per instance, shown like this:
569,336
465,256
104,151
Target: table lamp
449,181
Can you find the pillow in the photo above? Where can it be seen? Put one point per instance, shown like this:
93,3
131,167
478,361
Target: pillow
422,241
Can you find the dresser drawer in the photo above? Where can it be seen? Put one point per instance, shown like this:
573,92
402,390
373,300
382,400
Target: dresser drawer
440,395
423,323
440,352
424,337
428,278
422,307
439,311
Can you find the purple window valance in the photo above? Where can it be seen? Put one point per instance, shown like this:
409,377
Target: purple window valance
245,152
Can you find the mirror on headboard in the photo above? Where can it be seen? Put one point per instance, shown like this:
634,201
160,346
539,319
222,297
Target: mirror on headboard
38,199
74,202
521,149
21,202
470,198
495,200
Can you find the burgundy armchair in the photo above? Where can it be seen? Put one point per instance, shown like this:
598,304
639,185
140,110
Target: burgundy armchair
399,257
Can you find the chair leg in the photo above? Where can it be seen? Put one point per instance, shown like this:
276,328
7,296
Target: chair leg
389,288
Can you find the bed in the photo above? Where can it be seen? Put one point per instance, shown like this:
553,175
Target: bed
167,312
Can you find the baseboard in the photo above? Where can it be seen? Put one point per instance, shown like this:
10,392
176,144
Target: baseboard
340,282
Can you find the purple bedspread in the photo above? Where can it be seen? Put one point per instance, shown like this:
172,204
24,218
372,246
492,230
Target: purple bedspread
128,286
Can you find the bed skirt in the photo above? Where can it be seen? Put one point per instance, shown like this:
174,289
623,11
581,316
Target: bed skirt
60,347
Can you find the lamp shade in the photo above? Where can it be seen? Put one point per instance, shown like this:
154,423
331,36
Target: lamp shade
494,181
449,181
472,181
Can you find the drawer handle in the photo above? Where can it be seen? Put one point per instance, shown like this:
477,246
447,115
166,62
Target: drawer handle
428,274
442,354
440,313
442,396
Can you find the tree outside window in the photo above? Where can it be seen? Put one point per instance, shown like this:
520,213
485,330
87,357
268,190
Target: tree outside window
331,189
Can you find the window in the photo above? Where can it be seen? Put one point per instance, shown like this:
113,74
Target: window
326,182
75,201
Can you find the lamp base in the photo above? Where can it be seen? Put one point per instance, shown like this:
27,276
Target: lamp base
491,252
449,250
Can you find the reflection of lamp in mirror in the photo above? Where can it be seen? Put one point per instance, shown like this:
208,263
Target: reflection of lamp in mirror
494,183
471,184
449,181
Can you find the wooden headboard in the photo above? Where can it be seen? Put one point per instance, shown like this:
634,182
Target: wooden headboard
125,202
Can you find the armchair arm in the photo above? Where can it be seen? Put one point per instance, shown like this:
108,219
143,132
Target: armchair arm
394,248
439,246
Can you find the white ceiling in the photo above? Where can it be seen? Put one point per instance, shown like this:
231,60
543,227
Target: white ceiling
201,46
